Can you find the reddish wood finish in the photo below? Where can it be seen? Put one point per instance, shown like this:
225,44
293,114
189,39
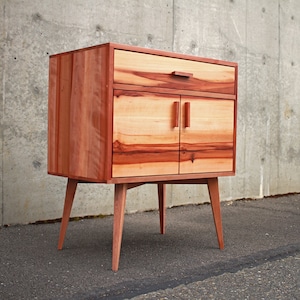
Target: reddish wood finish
162,206
176,114
78,114
207,144
136,150
156,70
158,89
187,114
84,115
119,208
70,193
213,189
128,115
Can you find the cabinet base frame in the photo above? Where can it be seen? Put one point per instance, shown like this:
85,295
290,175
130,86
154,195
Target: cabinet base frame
119,210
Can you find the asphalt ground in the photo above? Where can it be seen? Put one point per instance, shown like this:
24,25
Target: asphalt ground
261,259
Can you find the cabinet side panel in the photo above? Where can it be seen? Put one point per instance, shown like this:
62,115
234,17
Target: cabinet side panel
235,119
64,97
52,116
88,118
60,81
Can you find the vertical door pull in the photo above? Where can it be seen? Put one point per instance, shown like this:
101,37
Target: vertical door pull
187,114
176,114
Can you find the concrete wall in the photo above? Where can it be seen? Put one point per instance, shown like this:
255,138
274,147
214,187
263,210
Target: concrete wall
261,35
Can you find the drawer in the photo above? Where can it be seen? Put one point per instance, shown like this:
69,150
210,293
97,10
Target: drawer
152,70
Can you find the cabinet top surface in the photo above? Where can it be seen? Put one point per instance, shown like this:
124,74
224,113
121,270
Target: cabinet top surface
113,46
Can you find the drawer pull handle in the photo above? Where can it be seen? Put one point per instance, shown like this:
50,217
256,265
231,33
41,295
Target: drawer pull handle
182,74
176,113
187,114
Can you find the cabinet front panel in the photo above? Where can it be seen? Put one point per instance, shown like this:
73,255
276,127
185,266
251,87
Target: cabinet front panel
207,135
167,72
145,135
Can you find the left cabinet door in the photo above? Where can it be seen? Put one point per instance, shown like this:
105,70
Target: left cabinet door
145,134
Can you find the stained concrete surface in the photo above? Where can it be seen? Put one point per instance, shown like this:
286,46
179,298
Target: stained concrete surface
262,249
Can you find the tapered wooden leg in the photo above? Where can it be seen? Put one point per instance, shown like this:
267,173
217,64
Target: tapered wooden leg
70,193
119,209
213,189
162,206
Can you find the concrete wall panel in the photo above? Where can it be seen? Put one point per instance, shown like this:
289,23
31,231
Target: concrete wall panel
260,108
289,108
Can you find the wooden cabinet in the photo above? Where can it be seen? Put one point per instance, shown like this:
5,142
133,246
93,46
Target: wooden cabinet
122,114
128,115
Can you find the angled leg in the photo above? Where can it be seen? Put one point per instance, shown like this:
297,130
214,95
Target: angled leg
119,209
213,189
70,193
162,206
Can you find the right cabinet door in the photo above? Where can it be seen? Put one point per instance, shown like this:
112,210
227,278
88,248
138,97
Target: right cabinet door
207,135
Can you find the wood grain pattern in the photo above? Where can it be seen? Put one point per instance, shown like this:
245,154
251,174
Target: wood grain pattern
154,112
77,106
52,117
85,117
210,121
65,66
58,122
207,145
196,93
156,71
192,165
145,141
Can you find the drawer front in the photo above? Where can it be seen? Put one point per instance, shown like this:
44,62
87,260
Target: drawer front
166,72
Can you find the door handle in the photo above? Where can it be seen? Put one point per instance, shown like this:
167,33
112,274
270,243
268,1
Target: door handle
176,114
187,114
182,74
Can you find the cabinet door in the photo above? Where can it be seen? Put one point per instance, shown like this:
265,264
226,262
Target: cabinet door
145,134
207,135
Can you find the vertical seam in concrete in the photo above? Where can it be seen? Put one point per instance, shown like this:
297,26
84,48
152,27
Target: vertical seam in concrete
2,114
278,95
246,86
173,26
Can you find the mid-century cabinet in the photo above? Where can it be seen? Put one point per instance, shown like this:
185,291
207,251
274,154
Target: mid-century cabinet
127,116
